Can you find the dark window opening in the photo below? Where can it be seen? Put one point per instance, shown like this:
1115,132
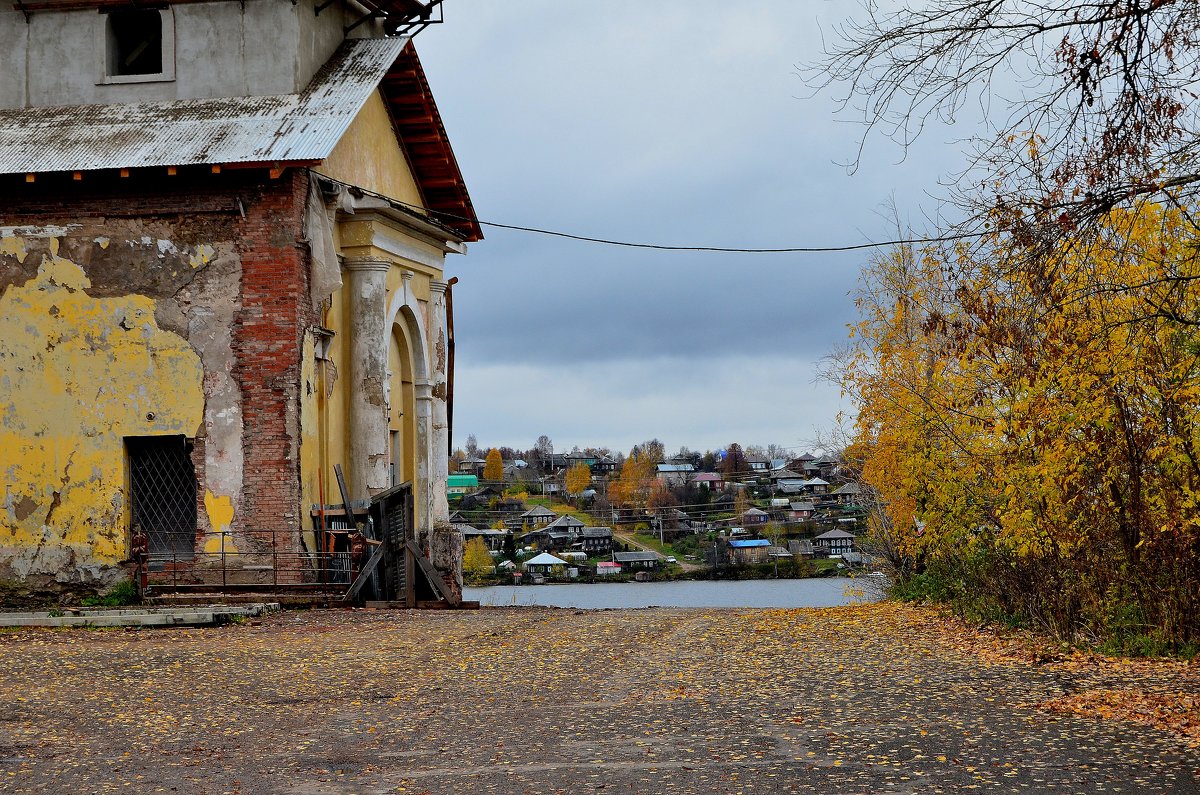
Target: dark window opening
162,487
135,43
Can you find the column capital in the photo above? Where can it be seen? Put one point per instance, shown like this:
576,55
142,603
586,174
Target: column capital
437,286
367,264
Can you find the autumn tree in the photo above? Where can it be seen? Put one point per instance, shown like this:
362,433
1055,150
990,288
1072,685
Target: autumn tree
1034,438
476,558
493,468
635,485
734,463
653,451
577,478
741,504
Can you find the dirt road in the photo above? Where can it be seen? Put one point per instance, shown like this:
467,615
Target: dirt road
868,699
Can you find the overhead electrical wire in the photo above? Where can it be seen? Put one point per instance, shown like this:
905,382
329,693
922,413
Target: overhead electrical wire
735,250
443,215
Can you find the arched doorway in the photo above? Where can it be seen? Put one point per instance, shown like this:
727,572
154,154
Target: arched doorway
402,411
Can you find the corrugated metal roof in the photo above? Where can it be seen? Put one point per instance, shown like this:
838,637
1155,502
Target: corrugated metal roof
293,128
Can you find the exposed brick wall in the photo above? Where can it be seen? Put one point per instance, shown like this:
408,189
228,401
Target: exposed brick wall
268,342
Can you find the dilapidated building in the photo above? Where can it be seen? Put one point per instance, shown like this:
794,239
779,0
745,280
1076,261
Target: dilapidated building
223,227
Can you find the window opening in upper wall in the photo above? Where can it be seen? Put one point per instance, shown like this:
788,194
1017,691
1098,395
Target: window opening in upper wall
135,43
136,46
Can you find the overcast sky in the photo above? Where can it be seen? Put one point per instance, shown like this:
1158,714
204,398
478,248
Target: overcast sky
680,122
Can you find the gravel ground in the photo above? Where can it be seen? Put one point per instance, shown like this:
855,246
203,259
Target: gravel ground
877,698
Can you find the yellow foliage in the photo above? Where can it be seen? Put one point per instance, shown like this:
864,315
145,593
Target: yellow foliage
578,478
493,467
476,558
1041,410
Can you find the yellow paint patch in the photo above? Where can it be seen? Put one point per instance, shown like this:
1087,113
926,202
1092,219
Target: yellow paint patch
13,247
81,374
202,255
64,273
220,516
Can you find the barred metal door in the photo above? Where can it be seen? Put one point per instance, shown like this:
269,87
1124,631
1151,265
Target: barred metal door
162,484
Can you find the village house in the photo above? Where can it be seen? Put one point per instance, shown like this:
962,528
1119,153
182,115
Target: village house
597,541
537,516
637,560
755,516
545,563
472,466
834,542
744,552
599,464
492,539
713,481
848,494
758,465
458,486
674,476
800,511
223,233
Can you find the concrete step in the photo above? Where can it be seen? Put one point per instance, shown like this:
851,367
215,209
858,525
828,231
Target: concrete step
194,616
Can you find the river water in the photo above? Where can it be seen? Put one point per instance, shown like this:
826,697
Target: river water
817,592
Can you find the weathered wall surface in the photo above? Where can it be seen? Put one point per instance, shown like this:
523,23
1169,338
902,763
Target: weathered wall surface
182,315
265,47
82,369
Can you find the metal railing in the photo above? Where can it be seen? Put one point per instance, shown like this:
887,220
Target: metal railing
254,560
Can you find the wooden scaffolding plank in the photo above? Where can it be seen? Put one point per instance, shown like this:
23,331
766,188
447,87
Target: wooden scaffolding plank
431,573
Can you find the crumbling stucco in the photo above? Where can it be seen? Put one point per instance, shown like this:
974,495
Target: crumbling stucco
81,367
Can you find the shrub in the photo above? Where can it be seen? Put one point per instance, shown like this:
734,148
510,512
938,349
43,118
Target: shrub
123,593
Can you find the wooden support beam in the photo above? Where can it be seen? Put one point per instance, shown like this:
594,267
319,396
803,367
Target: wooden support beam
365,574
31,177
430,573
172,171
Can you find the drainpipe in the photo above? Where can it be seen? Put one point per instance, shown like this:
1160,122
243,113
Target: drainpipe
450,365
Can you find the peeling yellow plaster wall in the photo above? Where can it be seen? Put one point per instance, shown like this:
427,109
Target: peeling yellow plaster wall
311,430
77,374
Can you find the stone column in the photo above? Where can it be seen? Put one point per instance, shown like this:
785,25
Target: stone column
367,468
424,482
440,375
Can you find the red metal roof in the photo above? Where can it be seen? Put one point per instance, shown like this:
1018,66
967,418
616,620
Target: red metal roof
423,136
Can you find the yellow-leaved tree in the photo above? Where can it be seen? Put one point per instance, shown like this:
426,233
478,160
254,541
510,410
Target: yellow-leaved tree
493,467
476,558
578,478
1031,426
635,485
